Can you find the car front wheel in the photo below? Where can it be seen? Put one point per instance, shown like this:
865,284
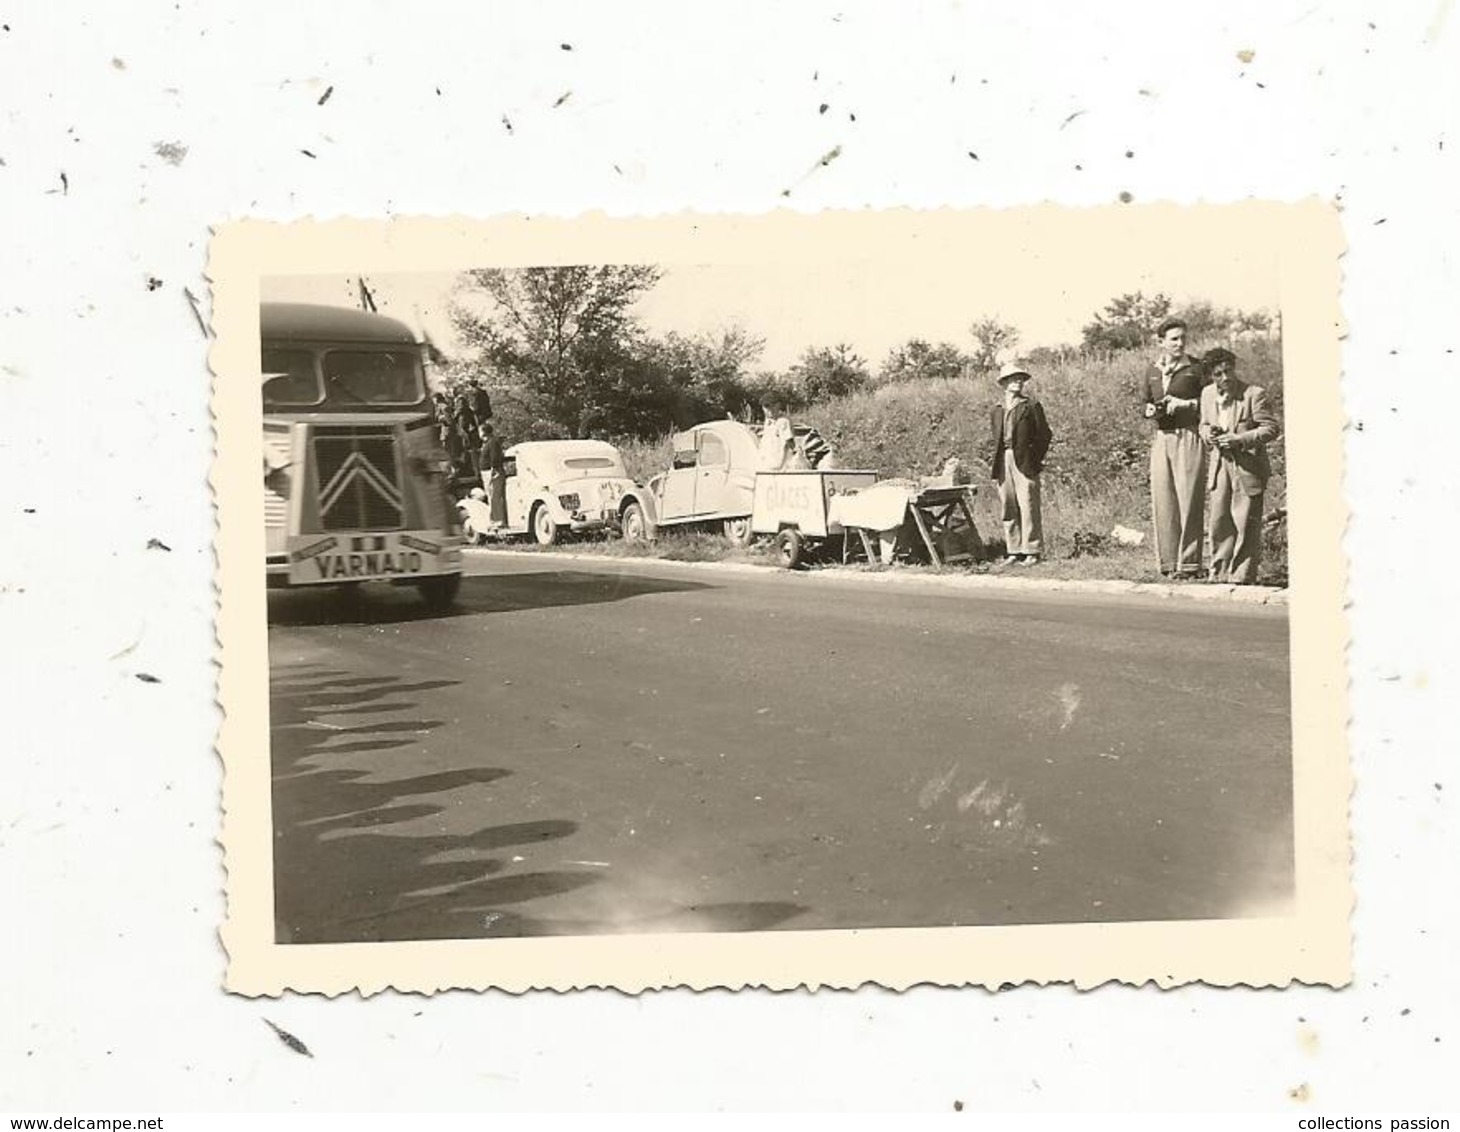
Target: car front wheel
544,526
633,525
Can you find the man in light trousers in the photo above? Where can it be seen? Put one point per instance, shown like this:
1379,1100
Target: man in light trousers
1021,439
1238,424
1172,400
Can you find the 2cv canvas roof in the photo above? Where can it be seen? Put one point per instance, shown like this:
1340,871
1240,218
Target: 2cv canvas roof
739,439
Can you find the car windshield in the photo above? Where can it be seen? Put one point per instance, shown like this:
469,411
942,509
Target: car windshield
374,377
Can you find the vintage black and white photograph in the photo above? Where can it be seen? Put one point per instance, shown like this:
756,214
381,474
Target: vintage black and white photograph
788,589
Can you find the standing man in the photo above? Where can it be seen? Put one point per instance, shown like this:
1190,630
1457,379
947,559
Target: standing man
446,431
493,465
1021,439
480,400
467,429
1172,397
1238,424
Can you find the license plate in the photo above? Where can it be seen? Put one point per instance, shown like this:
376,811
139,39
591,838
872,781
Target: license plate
325,558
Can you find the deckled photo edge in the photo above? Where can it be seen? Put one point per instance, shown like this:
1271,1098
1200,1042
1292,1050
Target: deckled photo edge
1310,947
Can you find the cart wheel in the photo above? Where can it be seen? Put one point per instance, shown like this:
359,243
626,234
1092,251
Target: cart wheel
737,531
790,546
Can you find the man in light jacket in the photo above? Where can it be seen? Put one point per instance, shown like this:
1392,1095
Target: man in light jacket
1237,425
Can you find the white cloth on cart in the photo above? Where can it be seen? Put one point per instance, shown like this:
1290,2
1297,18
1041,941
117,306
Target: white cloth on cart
881,507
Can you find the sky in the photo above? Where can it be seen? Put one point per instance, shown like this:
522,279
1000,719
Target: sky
1049,292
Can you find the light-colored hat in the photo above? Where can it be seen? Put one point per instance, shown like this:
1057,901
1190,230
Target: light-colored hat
1013,369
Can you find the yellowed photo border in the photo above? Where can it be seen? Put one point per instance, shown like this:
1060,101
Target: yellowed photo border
1312,945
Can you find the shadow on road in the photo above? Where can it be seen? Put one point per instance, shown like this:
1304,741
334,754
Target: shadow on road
341,872
480,593
346,872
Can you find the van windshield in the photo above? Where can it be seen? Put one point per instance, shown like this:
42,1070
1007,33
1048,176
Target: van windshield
290,378
374,377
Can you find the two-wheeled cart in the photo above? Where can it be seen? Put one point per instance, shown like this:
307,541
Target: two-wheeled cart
794,507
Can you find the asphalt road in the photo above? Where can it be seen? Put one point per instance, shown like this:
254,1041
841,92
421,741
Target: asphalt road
629,746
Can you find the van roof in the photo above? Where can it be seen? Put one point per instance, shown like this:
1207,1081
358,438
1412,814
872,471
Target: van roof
320,323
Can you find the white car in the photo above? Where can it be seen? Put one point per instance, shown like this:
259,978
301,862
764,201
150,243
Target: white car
562,485
711,480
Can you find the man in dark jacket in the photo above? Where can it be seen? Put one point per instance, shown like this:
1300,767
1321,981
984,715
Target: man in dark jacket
480,401
494,476
1171,395
1021,438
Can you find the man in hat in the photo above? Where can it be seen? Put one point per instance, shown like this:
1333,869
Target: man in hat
1237,424
1172,400
1021,438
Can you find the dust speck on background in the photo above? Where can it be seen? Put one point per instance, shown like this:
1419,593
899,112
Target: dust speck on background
1125,197
565,46
1247,55
325,97
171,152
119,64
562,98
507,122
1301,1094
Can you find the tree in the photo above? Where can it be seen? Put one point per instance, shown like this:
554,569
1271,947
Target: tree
1127,322
773,392
993,341
825,373
918,359
565,345
708,373
1208,323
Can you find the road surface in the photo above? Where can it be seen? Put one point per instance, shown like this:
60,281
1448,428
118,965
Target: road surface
612,746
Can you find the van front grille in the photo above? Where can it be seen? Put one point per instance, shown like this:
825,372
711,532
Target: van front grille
359,477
